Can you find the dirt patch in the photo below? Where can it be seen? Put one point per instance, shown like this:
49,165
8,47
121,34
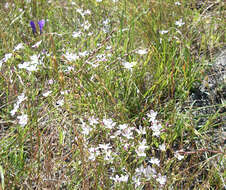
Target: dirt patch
208,100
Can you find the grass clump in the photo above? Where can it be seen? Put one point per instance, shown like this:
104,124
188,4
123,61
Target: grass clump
101,97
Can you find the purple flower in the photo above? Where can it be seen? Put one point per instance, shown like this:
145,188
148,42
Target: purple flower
41,24
33,27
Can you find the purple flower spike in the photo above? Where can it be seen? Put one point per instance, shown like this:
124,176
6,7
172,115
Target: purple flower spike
41,24
33,27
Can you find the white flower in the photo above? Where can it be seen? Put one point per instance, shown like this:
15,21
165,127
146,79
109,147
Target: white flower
106,22
128,133
7,5
177,3
87,12
69,68
123,126
136,181
155,161
5,59
23,119
116,134
83,13
139,171
178,156
76,34
8,56
71,57
50,81
31,65
86,25
86,129
156,128
93,121
105,147
129,65
34,59
179,23
18,47
83,54
47,93
116,178
93,153
141,130
141,148
98,1
163,32
28,66
21,98
123,178
80,11
109,123
149,172
161,179
108,156
14,110
152,115
64,92
162,147
142,51
92,157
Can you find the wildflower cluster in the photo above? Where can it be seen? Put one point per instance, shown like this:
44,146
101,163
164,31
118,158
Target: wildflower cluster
130,139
